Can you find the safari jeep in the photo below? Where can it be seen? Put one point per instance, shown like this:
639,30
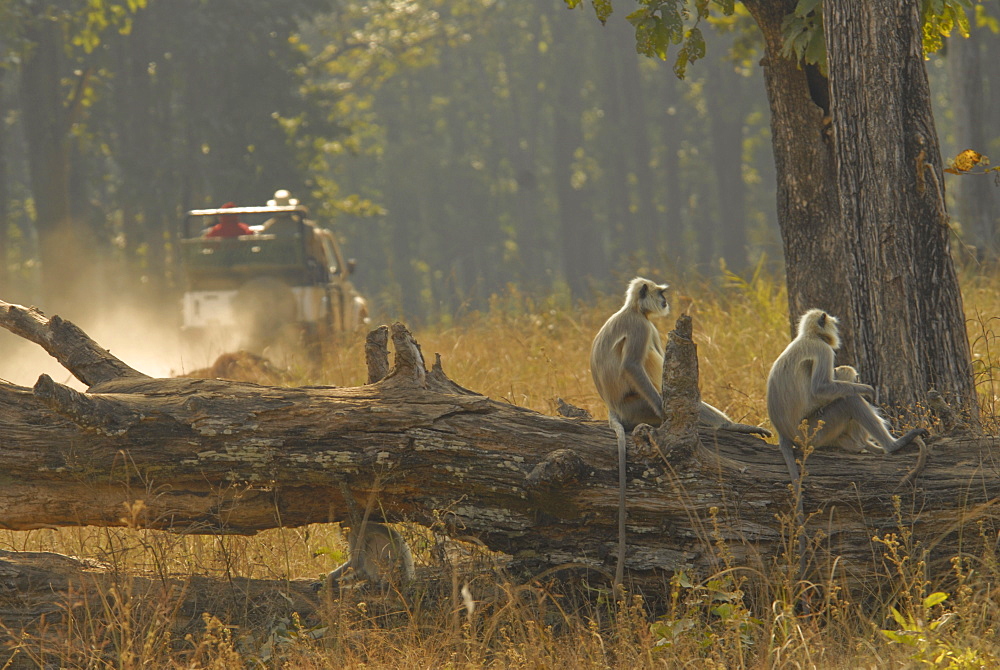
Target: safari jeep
285,287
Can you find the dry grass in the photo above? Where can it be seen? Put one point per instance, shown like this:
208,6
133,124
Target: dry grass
529,353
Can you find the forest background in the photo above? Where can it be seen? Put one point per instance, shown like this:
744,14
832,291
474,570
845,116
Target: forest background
462,149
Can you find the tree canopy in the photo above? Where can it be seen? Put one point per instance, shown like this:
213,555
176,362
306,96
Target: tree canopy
461,148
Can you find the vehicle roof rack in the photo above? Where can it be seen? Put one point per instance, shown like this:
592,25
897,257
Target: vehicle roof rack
290,209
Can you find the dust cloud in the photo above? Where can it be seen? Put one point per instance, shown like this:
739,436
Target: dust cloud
146,337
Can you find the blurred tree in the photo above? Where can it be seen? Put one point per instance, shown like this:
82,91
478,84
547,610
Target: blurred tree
54,44
977,201
728,119
625,153
494,165
133,114
577,231
671,222
360,48
4,197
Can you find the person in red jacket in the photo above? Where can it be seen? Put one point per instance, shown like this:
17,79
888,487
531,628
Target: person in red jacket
229,225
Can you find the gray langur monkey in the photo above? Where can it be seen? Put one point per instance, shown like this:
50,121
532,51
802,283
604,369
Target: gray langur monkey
378,553
626,361
802,386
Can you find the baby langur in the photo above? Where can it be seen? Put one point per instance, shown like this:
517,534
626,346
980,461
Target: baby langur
855,439
379,553
626,361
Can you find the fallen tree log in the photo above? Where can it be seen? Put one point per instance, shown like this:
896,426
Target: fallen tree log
210,456
46,595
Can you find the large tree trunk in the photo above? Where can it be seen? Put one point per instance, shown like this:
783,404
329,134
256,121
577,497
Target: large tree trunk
223,457
808,209
862,210
906,302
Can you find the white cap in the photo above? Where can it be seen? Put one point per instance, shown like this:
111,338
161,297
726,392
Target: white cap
282,198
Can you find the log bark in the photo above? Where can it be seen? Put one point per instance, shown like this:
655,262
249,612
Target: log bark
48,594
213,456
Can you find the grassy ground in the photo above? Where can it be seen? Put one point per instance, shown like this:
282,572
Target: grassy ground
529,353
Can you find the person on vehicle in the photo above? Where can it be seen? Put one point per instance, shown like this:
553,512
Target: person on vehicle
229,225
284,222
288,223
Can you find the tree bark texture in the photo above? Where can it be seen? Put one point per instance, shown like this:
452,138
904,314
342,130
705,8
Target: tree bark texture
808,209
907,305
60,606
212,456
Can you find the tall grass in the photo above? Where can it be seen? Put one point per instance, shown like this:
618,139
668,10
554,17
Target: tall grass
528,352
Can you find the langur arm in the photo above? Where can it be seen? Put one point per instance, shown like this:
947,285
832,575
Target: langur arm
825,389
635,374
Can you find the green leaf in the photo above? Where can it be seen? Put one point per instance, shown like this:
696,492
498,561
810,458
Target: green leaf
815,51
661,38
940,18
695,44
792,28
724,611
985,20
673,23
727,6
603,9
637,17
901,638
962,20
680,67
934,599
900,619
